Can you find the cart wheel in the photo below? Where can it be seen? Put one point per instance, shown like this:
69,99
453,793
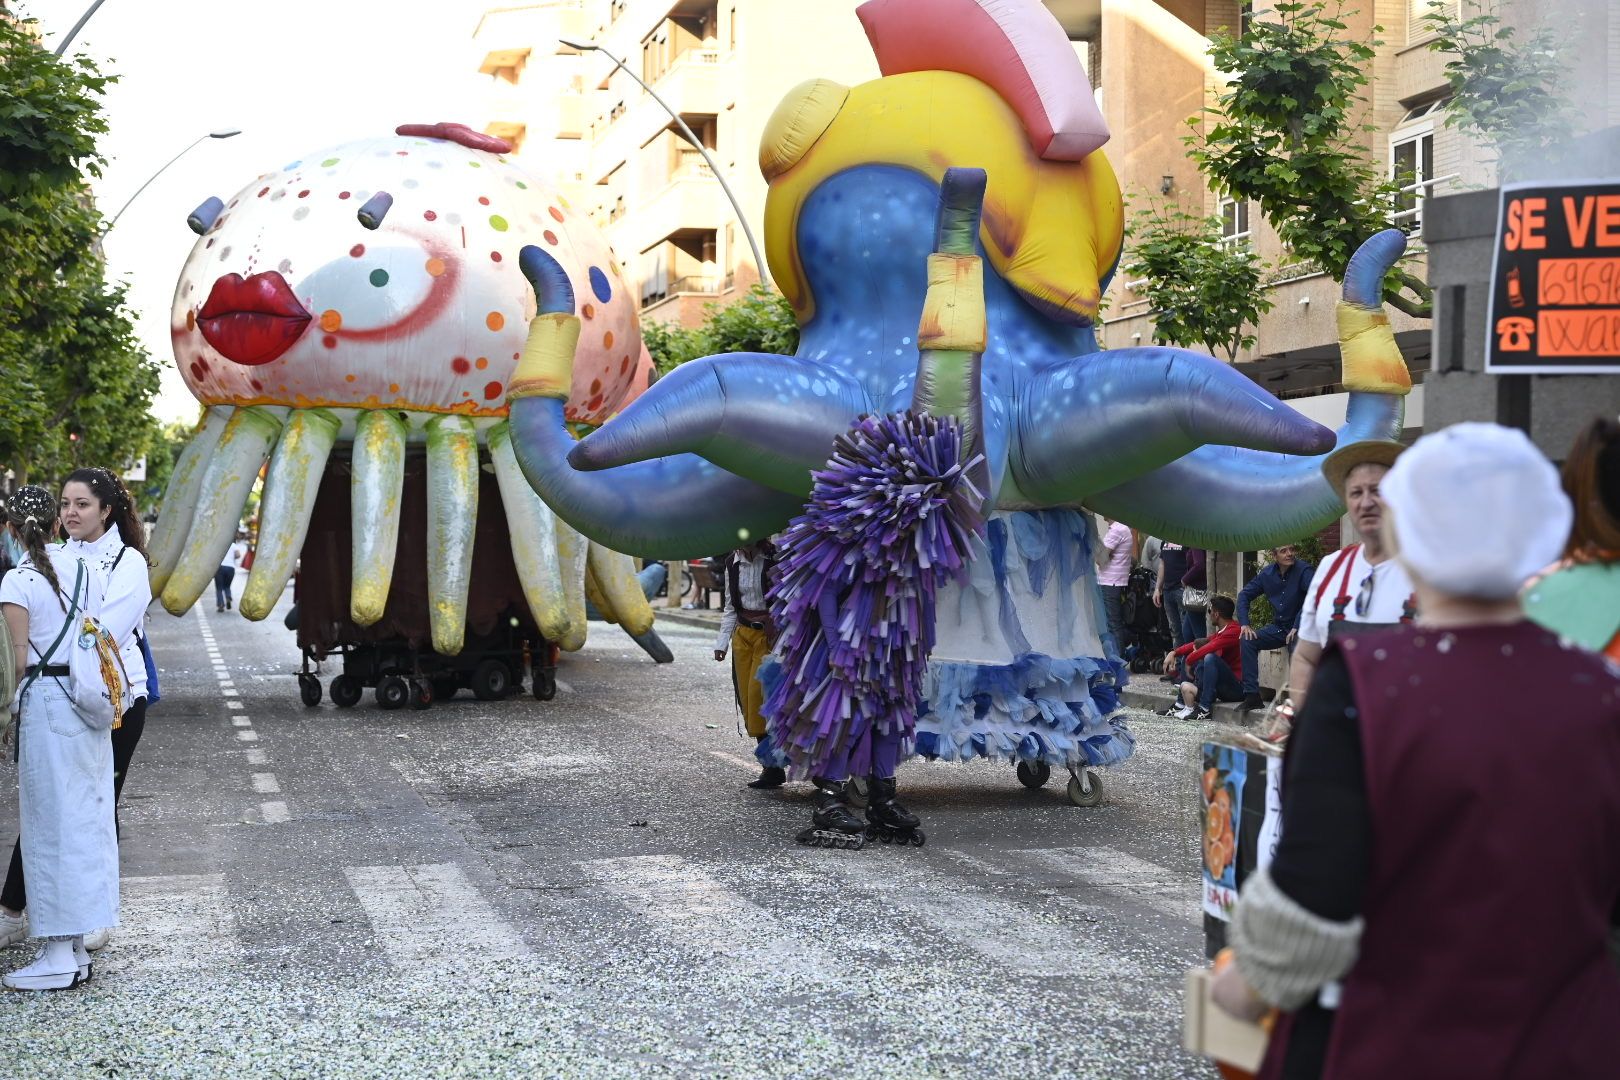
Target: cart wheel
545,684
1034,774
309,688
421,693
393,691
346,691
855,793
491,680
445,687
1085,788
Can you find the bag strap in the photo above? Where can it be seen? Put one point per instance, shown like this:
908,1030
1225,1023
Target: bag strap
72,614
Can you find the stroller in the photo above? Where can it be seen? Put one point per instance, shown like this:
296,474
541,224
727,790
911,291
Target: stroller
1147,635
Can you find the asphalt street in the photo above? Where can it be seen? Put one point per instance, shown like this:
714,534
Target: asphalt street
584,887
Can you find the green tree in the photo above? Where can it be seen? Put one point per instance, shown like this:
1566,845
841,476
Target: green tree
1203,293
1505,86
1285,135
761,321
77,381
161,457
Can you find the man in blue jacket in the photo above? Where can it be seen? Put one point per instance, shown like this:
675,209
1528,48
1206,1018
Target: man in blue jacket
1285,583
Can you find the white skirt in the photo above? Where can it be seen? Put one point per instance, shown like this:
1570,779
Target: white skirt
69,839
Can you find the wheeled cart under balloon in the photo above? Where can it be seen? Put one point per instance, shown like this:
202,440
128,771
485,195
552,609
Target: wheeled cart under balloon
394,657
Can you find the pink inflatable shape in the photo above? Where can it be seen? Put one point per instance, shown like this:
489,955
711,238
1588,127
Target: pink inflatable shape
1015,47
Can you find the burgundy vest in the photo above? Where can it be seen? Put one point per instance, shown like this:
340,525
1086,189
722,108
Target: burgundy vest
1493,781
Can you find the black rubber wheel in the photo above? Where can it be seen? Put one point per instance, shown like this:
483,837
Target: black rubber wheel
1091,797
545,684
445,687
421,693
393,691
1034,774
491,680
309,689
346,691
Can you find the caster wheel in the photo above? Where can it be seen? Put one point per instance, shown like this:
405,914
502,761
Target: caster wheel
393,692
346,691
855,794
491,680
1034,774
421,693
444,688
918,839
545,685
1087,791
309,689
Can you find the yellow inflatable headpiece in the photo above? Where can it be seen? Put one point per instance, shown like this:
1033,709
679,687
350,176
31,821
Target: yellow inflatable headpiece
1051,228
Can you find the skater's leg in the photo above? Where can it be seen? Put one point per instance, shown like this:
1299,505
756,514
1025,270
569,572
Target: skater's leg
748,652
885,814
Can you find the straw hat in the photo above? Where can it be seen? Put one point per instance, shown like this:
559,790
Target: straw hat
1338,465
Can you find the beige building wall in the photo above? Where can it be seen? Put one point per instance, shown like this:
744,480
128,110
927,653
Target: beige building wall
723,65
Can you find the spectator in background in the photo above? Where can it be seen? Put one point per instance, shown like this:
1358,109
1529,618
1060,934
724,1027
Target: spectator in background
1284,583
1215,666
1195,580
747,632
1167,589
1114,557
227,571
1580,599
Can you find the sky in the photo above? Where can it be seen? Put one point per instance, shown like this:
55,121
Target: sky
295,77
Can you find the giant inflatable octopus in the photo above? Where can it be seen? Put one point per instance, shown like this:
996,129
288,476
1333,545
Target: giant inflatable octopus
923,289
367,298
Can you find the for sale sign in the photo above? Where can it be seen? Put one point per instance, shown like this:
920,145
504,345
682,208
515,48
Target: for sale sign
1555,288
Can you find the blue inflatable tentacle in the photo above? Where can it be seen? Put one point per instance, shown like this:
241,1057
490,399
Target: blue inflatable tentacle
1085,421
770,419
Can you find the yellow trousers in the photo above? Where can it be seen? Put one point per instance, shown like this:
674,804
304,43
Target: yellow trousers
748,652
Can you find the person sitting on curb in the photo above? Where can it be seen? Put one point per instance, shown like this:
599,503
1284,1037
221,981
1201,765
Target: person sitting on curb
1215,662
1284,582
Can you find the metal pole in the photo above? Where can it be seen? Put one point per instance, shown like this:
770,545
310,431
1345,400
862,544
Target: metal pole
759,260
148,183
71,34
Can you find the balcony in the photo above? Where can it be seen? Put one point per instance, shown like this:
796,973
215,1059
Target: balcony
655,293
692,200
699,82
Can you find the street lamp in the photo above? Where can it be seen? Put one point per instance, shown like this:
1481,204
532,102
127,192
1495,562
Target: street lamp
71,34
223,134
759,260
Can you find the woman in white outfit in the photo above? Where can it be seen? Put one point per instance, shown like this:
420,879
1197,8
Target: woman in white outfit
64,767
104,530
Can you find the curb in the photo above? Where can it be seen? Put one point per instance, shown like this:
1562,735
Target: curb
1225,712
686,618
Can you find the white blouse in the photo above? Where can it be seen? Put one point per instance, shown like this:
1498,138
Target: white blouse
47,609
128,593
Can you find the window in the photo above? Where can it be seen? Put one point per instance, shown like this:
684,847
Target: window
1411,164
615,10
1234,217
1416,28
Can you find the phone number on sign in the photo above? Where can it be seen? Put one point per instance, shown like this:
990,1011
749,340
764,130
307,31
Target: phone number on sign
1578,282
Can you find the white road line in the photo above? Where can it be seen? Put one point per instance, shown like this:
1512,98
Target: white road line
274,812
257,757
173,922
735,759
691,909
265,783
432,914
248,736
241,721
1134,879
230,693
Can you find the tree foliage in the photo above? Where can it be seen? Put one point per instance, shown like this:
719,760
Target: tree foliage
1203,293
77,383
761,321
1505,86
1285,135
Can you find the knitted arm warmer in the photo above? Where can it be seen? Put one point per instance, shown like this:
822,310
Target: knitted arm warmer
1285,952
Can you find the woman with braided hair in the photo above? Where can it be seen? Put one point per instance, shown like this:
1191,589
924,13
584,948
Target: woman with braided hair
64,766
105,531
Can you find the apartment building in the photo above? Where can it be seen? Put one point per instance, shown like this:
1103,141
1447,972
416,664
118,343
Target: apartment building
721,65
1152,72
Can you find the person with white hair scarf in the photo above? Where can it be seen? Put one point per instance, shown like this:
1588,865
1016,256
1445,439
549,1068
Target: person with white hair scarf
1444,896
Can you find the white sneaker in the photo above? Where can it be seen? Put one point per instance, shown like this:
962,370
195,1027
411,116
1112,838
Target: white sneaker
13,928
55,969
97,940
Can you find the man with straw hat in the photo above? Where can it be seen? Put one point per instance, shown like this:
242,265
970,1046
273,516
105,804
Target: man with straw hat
1360,587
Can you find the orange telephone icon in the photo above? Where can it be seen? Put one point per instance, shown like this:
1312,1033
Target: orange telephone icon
1513,333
